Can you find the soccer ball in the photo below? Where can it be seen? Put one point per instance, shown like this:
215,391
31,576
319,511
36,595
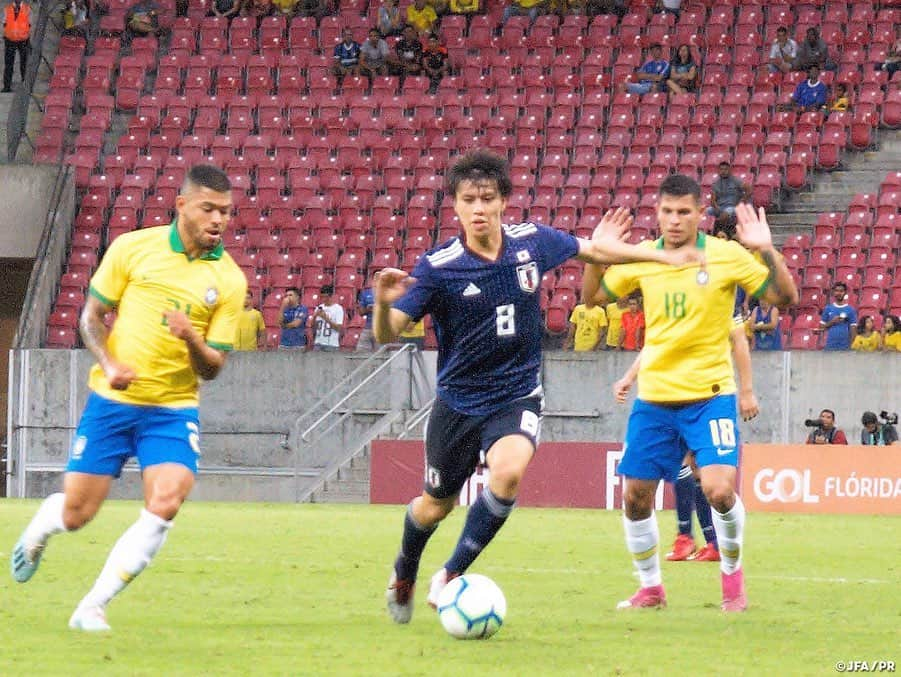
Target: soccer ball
472,607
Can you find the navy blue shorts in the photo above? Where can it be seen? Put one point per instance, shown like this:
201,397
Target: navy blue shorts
658,437
454,442
109,433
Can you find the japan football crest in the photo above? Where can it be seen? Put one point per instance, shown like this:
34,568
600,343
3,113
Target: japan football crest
528,277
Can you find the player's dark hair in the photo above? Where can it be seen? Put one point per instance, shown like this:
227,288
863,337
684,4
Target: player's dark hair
677,185
207,176
478,166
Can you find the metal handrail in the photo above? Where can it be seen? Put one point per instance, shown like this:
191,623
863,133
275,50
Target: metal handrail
416,419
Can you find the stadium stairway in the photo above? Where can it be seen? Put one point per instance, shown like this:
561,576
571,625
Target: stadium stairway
860,172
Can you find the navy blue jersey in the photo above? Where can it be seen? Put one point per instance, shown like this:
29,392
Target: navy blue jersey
486,315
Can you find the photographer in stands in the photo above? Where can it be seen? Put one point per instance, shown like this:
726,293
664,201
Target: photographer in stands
825,431
875,433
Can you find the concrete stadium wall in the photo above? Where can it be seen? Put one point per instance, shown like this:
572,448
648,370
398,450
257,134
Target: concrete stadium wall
248,410
24,193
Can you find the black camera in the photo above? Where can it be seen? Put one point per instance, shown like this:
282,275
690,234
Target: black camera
890,419
813,422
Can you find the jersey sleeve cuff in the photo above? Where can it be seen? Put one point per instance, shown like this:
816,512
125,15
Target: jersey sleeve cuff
225,347
100,297
610,294
762,288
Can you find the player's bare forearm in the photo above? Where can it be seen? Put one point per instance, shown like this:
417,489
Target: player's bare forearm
741,353
206,360
632,372
782,290
592,292
92,329
388,322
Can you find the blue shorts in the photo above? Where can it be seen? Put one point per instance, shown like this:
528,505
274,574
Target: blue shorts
109,433
658,437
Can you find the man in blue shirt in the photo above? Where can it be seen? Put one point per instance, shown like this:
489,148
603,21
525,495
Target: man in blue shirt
652,76
838,320
293,321
810,95
366,341
482,290
347,56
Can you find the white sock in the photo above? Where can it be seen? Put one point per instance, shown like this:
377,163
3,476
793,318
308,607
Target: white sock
132,552
642,538
730,528
48,520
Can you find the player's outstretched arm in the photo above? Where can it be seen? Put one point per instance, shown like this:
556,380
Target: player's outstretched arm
754,233
387,322
94,334
206,360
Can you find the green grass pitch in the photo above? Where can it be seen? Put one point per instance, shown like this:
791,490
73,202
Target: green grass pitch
249,589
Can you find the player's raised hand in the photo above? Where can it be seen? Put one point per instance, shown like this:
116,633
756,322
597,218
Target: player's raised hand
391,284
118,375
621,389
752,228
615,224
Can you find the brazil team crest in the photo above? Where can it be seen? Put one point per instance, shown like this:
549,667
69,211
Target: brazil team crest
528,277
211,296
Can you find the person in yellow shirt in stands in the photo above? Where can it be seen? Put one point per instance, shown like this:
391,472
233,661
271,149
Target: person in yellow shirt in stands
891,333
614,312
522,7
464,6
868,339
421,16
586,328
251,326
413,333
178,295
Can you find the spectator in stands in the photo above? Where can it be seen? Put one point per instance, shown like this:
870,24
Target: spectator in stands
347,56
75,18
892,61
614,312
142,19
683,72
251,326
838,320
317,8
374,55
587,329
668,7
868,340
891,333
840,99
434,62
414,333
765,327
810,94
813,51
826,432
596,7
532,8
783,52
631,333
391,20
467,7
421,16
366,340
876,434
652,76
328,321
286,7
441,7
407,58
728,191
227,9
293,321
16,32
258,8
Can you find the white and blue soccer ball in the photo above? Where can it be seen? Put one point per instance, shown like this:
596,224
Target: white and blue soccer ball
472,607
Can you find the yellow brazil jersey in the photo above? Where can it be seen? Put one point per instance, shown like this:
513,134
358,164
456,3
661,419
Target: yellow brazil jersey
688,318
416,331
589,323
422,20
615,323
463,6
250,325
866,344
893,341
145,273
